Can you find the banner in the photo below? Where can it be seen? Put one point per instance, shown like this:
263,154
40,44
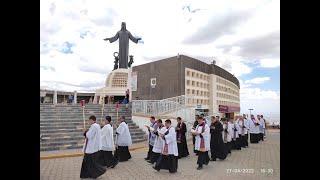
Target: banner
134,80
223,109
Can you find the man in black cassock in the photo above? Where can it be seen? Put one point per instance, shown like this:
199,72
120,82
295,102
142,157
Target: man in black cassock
217,146
181,130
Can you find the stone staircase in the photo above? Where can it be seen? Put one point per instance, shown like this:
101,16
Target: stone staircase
61,126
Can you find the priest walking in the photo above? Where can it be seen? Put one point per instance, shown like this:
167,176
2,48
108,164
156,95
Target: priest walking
169,156
202,143
90,167
217,147
181,130
107,146
123,141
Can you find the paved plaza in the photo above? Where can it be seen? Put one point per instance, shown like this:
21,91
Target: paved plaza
259,161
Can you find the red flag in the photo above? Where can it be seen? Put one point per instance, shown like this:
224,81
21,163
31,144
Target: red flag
82,102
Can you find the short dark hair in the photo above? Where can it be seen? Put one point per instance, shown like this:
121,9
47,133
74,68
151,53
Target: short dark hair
108,118
152,117
213,117
159,121
200,117
168,121
179,118
124,118
93,118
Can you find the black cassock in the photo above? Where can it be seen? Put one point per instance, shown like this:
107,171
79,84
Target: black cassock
122,153
90,167
217,147
106,158
182,140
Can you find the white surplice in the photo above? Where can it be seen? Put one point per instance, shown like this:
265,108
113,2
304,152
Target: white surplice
229,132
246,124
237,128
171,140
262,125
253,128
158,143
242,127
123,135
107,138
206,135
92,142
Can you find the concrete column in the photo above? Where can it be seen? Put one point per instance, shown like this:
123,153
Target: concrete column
55,97
75,97
101,99
94,99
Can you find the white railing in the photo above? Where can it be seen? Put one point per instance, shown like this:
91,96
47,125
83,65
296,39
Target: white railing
158,107
171,107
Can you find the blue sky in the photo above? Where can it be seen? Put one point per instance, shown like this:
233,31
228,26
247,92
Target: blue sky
242,36
272,73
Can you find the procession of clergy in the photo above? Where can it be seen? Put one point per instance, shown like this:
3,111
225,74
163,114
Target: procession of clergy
167,144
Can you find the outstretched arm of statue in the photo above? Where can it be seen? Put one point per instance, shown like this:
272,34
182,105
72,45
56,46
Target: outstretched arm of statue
112,39
133,38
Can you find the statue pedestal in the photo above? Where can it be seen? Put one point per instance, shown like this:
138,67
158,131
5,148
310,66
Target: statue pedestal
117,83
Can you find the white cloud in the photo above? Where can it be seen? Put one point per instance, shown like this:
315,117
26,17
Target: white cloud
258,94
257,80
269,63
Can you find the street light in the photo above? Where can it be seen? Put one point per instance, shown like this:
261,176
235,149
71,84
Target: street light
250,111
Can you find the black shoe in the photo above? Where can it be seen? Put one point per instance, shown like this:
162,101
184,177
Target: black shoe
156,168
213,159
199,167
146,159
149,161
206,163
115,164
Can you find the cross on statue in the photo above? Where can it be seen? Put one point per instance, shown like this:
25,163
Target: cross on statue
123,35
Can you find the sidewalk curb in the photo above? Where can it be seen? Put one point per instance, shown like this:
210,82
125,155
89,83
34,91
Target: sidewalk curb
78,154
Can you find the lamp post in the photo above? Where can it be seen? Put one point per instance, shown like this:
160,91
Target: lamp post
250,111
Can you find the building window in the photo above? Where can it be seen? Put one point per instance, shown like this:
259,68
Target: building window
188,82
193,83
188,73
193,91
197,75
197,92
188,91
197,84
192,74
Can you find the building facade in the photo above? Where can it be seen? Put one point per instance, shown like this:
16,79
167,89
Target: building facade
209,89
